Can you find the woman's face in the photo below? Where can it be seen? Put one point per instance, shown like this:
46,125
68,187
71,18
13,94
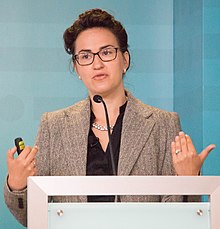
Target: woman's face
103,78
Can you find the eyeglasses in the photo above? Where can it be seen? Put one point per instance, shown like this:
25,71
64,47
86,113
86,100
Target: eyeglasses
107,54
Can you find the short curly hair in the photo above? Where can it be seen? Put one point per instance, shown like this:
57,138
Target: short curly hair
91,19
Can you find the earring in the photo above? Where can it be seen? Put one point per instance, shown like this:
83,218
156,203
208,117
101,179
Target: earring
79,77
124,70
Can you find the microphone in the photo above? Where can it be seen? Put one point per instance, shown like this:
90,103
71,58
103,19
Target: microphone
99,99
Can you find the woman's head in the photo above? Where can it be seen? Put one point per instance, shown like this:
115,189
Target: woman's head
99,49
92,19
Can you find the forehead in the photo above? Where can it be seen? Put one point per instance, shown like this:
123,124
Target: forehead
94,38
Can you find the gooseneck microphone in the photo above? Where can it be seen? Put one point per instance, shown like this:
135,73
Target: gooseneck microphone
99,99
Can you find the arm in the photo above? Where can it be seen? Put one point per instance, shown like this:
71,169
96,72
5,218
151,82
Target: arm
15,193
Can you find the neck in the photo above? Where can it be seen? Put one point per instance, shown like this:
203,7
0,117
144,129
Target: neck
113,104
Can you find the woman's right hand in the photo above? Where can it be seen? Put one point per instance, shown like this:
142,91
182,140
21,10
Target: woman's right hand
20,168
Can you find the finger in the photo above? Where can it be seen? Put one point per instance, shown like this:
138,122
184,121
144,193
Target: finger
25,152
31,156
183,142
190,145
10,153
33,163
203,155
178,145
31,166
33,172
173,149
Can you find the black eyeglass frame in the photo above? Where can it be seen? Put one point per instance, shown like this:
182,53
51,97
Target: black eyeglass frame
74,57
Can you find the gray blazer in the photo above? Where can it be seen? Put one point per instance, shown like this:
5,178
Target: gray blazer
62,139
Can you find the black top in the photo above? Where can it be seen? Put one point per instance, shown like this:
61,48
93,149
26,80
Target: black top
98,161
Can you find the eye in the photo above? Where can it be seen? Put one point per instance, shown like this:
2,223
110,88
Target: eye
106,52
85,56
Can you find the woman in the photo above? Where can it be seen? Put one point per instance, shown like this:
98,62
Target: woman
74,141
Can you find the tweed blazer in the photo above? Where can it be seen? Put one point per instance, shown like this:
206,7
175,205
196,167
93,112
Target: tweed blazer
62,139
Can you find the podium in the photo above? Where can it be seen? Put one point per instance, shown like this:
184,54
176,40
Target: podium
48,215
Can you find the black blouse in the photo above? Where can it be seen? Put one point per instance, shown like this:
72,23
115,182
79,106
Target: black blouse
98,161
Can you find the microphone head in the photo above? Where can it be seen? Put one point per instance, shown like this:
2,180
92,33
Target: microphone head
97,98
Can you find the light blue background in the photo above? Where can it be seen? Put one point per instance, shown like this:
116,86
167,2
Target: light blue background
35,73
196,73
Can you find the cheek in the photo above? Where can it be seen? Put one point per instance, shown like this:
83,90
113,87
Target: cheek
75,67
84,74
122,63
116,69
79,70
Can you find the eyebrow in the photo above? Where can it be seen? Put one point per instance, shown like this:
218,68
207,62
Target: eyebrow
89,50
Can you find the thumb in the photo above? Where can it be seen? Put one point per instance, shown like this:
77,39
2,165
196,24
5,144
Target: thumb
10,153
203,155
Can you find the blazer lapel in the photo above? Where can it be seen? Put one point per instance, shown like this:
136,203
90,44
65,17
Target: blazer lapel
136,130
76,129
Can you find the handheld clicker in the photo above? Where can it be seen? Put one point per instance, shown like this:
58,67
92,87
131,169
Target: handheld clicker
19,143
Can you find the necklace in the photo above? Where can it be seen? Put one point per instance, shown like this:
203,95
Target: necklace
100,127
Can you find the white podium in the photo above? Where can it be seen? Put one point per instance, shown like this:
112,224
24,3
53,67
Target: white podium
45,215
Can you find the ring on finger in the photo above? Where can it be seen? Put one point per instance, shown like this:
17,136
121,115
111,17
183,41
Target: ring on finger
177,151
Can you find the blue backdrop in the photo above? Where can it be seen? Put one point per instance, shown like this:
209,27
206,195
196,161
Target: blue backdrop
35,72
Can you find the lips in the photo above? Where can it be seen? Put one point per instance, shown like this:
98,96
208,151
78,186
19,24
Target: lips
99,76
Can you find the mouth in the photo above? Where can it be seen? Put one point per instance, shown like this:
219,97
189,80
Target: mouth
100,76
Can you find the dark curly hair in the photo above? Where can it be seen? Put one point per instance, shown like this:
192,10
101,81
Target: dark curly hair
90,19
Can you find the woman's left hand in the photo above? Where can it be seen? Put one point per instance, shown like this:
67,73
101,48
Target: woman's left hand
186,161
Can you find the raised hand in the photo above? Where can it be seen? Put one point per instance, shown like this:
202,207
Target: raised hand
186,161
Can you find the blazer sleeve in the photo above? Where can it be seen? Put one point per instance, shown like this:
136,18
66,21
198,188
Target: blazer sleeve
16,201
172,128
170,131
43,143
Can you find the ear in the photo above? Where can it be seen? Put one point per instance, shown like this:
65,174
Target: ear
75,67
126,59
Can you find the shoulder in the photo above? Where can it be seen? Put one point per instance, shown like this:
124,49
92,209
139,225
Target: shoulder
74,110
149,111
165,122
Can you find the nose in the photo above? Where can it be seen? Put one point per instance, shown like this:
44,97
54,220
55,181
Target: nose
97,63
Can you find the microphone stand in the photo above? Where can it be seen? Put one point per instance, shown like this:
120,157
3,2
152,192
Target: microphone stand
99,99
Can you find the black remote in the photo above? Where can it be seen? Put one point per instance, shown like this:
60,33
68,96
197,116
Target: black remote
19,143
